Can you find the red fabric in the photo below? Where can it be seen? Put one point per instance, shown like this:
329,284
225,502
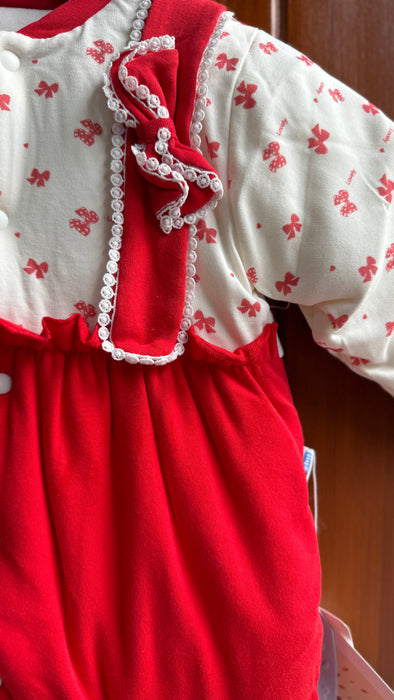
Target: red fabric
157,541
33,4
152,273
61,334
158,71
190,26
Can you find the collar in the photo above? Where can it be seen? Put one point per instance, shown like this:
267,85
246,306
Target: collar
63,16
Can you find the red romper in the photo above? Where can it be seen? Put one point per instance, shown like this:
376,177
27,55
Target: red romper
156,537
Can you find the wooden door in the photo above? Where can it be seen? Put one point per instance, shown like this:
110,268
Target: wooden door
348,420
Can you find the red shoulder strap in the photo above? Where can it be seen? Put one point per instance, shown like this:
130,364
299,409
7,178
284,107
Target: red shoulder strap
150,303
191,25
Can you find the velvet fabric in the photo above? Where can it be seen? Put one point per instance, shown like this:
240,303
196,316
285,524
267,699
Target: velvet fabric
156,536
146,323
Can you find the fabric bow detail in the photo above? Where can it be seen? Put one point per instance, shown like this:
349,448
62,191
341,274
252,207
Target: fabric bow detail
141,87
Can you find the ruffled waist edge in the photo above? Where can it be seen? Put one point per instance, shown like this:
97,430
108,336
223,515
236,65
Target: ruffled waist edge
69,334
73,335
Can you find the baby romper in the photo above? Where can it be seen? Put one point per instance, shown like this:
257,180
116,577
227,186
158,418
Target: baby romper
156,538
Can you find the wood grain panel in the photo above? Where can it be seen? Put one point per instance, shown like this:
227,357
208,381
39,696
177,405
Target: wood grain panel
352,40
254,12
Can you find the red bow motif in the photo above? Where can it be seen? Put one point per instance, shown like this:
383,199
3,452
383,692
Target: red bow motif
203,322
252,275
213,147
246,99
47,90
318,142
38,269
336,95
249,308
92,131
387,190
4,103
390,257
368,270
339,322
357,361
222,61
389,328
88,217
369,108
286,286
348,207
305,59
87,310
101,51
268,48
291,229
39,178
209,233
273,151
142,87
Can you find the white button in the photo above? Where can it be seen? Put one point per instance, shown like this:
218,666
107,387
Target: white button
10,60
5,383
3,219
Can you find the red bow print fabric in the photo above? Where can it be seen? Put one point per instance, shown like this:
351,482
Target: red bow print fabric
202,321
343,198
4,103
142,89
47,90
33,267
318,143
278,160
37,178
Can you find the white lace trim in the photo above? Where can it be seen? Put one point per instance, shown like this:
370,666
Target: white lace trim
202,82
109,294
169,166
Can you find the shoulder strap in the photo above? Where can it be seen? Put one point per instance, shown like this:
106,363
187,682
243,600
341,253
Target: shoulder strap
152,311
192,23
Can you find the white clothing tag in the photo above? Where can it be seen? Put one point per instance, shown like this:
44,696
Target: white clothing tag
310,468
309,461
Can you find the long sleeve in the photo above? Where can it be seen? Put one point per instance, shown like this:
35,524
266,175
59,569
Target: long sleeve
310,178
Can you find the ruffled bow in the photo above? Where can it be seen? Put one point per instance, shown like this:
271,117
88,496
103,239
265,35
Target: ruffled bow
141,87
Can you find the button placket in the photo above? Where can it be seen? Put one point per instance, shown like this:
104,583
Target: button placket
9,60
